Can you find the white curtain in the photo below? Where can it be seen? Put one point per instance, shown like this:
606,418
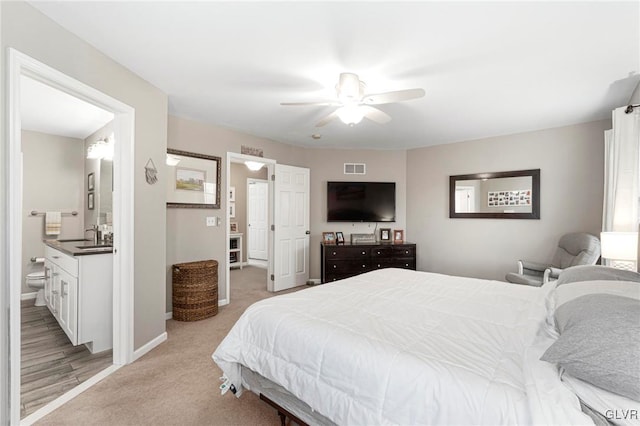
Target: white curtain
620,211
622,173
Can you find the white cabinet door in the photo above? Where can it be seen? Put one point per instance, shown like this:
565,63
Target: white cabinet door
48,283
54,305
68,311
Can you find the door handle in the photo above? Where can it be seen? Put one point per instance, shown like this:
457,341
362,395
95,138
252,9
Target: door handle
307,232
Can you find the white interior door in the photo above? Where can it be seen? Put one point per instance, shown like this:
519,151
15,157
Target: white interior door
465,199
291,231
257,218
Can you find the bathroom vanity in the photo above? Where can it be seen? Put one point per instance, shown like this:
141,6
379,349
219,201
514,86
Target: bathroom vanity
78,291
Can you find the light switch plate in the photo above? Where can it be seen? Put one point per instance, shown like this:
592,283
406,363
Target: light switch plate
211,221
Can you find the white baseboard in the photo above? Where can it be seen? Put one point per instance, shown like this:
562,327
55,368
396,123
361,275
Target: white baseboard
314,281
149,346
63,399
28,296
168,315
223,302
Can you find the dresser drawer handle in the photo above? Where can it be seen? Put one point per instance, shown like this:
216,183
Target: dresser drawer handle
406,264
335,266
334,253
364,266
378,265
407,251
363,253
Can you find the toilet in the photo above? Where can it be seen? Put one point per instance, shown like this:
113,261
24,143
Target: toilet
35,280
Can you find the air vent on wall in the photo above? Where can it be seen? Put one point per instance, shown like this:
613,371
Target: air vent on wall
355,169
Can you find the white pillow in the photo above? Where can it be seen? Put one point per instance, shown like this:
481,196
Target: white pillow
615,408
567,292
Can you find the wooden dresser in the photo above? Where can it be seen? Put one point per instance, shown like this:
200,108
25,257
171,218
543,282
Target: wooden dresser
343,261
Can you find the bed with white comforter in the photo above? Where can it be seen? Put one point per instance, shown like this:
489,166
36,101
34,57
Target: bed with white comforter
403,347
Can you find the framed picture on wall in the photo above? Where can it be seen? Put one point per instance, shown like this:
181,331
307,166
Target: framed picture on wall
233,226
91,183
232,209
90,201
232,193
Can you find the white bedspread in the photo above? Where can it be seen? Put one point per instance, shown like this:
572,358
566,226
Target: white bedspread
395,347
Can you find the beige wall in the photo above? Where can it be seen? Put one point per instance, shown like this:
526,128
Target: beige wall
188,237
571,161
328,165
239,175
33,34
53,181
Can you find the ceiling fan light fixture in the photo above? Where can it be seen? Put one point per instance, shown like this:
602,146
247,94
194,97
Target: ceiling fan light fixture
349,87
254,166
350,114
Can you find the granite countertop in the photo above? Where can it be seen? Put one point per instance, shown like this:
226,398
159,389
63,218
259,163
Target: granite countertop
79,247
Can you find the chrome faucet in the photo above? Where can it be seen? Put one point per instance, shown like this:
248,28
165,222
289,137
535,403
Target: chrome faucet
96,233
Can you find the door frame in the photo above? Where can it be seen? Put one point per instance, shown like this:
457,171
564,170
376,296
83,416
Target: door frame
123,214
234,157
249,181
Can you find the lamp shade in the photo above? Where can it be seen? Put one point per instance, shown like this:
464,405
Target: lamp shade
619,245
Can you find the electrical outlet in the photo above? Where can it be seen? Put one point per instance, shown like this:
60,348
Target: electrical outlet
211,221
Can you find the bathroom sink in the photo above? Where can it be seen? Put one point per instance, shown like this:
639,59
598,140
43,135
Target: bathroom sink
72,240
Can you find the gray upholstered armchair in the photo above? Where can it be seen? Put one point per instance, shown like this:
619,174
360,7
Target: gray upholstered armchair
573,249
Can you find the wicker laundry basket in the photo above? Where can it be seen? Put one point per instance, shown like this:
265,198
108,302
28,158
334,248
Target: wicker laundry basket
195,290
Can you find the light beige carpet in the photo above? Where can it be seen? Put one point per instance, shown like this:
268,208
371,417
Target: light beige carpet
177,382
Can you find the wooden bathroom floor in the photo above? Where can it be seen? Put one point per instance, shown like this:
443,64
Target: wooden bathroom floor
50,364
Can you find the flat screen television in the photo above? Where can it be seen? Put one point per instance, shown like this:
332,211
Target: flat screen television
361,201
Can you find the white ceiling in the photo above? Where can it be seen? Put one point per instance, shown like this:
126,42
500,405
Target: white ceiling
488,68
48,110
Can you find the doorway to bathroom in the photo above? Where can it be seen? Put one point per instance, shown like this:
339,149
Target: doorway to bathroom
32,153
248,222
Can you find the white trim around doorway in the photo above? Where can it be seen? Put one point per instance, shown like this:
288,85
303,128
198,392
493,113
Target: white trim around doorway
123,213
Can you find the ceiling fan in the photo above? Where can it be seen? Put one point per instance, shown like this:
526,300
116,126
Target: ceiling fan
354,104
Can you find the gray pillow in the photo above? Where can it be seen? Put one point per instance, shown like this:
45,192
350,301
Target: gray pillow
600,342
595,272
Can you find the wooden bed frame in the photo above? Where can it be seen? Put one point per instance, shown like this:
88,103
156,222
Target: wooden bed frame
283,413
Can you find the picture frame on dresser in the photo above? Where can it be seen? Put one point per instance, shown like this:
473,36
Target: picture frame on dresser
339,238
328,238
398,236
385,234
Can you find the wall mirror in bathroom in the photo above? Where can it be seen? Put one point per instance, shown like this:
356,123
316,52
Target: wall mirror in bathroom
497,195
193,180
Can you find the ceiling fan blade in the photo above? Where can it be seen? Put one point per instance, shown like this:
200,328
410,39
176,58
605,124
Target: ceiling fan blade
374,114
327,119
310,103
389,97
